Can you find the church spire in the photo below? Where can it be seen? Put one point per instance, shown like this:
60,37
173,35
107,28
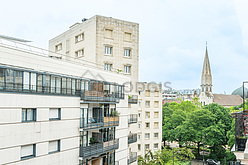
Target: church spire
206,80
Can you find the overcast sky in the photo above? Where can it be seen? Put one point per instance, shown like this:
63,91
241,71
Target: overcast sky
172,34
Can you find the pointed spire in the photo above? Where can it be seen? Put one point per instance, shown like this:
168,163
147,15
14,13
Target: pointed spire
206,71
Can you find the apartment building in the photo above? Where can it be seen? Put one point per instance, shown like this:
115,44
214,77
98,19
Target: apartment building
55,111
114,45
149,117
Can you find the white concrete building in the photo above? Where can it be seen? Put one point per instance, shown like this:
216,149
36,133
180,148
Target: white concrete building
55,111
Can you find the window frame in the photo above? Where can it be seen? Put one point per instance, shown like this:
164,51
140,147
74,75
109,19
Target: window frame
58,46
29,156
58,146
34,115
148,124
76,38
107,66
59,114
82,54
129,52
125,69
108,52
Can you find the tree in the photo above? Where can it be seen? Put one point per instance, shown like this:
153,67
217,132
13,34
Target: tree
231,135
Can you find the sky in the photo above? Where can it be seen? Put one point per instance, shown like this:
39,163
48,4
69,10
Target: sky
172,34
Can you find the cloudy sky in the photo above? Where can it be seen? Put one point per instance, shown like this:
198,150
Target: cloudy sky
172,34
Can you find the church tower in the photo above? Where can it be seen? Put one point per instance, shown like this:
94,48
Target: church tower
206,96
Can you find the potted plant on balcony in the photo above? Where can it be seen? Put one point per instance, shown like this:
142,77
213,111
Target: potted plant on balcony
92,141
115,113
130,97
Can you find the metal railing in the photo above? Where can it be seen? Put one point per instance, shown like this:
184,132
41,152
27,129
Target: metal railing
100,122
99,148
133,118
132,138
39,89
98,96
132,157
133,99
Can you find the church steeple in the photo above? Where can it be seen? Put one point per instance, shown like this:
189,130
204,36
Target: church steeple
206,80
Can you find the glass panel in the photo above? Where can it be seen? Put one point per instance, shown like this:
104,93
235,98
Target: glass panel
47,83
9,78
39,81
26,80
24,115
82,85
33,81
58,84
68,86
73,86
18,80
64,85
29,115
52,84
2,75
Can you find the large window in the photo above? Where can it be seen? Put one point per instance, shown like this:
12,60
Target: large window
26,77
147,93
108,50
28,151
18,80
147,104
54,114
54,146
107,67
155,124
147,136
127,69
79,53
28,115
147,146
155,135
33,81
156,114
147,125
58,84
147,114
156,104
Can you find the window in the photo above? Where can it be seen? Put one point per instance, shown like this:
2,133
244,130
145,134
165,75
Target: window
155,145
28,151
9,78
127,36
156,93
54,146
108,50
147,93
147,104
127,52
108,33
155,124
54,114
156,115
139,125
33,81
147,136
139,114
79,53
147,114
107,67
156,104
155,135
139,136
147,125
127,69
139,147
147,146
79,38
139,103
58,47
28,115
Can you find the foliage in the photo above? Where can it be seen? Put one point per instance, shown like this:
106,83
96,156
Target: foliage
130,97
115,113
230,156
165,156
210,125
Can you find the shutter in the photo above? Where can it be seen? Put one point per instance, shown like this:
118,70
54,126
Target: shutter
27,151
53,146
54,113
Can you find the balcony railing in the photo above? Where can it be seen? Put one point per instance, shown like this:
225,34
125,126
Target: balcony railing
132,138
133,99
99,148
97,96
92,123
133,118
132,157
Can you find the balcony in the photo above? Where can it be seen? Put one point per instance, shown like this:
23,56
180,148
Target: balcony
132,99
100,122
133,118
132,157
98,96
132,138
99,148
